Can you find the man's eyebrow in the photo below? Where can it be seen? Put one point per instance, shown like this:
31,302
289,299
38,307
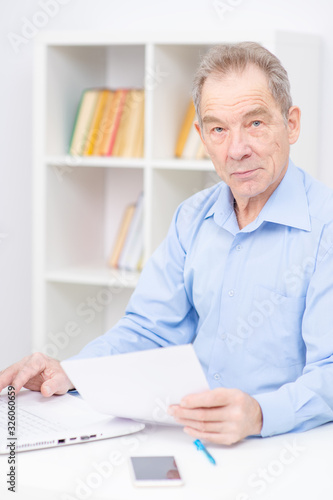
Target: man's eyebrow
259,111
210,119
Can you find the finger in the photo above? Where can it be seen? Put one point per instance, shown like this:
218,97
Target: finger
199,414
209,399
213,437
33,367
57,384
6,377
198,425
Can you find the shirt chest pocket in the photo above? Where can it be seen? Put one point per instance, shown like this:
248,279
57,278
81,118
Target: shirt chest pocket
275,328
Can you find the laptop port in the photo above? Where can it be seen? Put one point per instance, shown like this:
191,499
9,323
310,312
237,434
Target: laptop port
84,438
72,439
93,436
61,441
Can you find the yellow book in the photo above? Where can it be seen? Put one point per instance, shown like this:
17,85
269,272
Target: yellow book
105,126
122,234
185,129
132,136
139,146
95,133
138,149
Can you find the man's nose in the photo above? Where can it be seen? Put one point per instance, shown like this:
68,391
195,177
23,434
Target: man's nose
239,146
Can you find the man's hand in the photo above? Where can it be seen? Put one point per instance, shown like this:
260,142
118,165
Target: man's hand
37,372
223,416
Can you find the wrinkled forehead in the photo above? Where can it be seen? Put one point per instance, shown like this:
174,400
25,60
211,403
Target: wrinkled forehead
235,89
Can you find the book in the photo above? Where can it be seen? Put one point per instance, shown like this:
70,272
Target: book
124,126
121,235
132,139
133,246
114,119
192,144
95,133
104,125
185,129
109,123
83,119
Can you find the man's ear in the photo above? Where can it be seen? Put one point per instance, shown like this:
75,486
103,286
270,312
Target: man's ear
197,126
294,124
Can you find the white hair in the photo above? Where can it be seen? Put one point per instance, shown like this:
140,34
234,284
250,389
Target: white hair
225,58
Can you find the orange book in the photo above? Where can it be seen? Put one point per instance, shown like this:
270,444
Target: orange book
122,234
185,129
95,133
117,110
124,126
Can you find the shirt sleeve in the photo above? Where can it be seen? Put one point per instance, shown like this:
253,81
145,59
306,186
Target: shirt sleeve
159,312
308,402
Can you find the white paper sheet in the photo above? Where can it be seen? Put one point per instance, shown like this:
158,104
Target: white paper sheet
138,385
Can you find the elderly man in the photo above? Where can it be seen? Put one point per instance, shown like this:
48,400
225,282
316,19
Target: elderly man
245,272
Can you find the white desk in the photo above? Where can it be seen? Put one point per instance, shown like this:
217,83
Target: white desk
256,469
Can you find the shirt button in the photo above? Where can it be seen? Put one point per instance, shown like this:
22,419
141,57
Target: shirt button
223,336
238,247
231,293
217,376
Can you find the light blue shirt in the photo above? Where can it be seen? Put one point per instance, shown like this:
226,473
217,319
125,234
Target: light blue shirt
256,303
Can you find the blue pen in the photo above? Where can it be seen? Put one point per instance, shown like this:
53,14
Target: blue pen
201,447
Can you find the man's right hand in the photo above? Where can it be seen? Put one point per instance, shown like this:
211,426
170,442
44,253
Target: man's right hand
37,372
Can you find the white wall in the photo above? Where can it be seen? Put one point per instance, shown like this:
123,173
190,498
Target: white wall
16,109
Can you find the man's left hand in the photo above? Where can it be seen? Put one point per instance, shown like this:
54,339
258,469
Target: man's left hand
223,416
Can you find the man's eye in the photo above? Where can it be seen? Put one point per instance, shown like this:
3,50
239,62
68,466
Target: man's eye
256,123
219,130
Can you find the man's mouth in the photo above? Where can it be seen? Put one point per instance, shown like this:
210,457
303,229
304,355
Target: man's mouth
244,174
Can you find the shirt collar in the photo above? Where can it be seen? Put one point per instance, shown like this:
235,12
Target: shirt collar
288,205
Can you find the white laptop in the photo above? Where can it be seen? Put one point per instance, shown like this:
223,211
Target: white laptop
57,421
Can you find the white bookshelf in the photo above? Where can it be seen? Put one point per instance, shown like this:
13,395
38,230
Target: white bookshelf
79,202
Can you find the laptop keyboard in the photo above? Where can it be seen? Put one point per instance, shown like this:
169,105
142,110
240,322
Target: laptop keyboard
27,423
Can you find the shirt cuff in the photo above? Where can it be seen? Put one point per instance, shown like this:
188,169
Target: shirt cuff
277,411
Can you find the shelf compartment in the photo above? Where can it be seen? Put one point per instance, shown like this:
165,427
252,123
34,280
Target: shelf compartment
172,95
76,314
71,70
84,209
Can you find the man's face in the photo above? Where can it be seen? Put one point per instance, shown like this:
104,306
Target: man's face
244,132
